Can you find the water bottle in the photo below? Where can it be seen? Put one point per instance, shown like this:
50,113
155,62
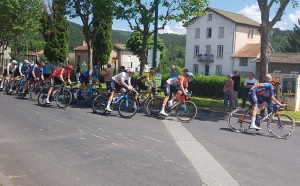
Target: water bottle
115,99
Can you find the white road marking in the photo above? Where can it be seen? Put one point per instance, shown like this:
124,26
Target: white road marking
209,170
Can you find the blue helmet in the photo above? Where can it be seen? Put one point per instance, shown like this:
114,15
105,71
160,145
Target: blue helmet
97,67
190,74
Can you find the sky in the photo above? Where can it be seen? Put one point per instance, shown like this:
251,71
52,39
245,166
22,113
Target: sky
248,8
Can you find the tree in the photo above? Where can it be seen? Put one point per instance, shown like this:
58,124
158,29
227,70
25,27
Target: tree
103,45
90,12
135,44
294,40
54,27
266,26
140,16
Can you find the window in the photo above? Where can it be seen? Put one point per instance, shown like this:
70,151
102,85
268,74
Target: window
219,70
208,49
195,69
243,61
197,33
220,51
208,33
128,58
250,33
196,50
209,18
221,32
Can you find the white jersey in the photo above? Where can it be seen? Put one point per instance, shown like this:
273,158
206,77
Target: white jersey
10,67
121,77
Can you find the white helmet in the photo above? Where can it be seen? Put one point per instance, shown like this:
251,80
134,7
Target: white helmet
26,61
130,70
14,62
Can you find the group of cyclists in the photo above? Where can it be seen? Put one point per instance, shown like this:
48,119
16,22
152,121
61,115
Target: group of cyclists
174,86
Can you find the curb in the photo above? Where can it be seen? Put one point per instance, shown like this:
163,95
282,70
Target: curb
225,114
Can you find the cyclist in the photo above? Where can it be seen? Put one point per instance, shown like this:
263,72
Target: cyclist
146,77
20,70
175,85
8,70
120,82
34,73
256,98
57,78
87,77
46,71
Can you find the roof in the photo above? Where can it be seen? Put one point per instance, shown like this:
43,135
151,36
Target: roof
248,50
41,52
284,58
84,47
120,46
235,17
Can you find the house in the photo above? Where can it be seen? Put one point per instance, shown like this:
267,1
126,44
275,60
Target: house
5,54
119,56
221,42
283,63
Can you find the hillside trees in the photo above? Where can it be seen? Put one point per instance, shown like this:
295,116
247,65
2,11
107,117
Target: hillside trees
54,27
140,16
294,40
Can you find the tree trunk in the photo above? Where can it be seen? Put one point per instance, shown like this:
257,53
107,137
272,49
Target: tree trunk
264,60
90,54
143,57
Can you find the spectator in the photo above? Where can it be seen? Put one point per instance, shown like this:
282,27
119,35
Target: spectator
108,74
228,91
249,83
173,72
77,73
236,78
46,71
122,69
54,66
185,83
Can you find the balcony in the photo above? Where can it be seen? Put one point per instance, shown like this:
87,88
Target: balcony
205,58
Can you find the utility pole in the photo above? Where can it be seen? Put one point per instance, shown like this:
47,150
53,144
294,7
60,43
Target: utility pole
154,60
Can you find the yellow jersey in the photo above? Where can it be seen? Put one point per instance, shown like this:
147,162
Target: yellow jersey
146,77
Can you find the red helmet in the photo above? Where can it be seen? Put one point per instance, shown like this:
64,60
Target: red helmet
69,66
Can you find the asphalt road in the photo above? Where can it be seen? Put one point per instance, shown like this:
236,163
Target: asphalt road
50,146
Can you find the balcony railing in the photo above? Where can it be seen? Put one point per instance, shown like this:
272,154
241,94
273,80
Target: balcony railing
205,58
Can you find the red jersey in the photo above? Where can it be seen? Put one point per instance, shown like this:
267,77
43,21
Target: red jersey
62,71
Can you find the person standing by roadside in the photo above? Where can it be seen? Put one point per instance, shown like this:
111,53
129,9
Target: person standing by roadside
54,66
108,74
46,71
228,91
77,73
122,69
173,72
249,83
236,78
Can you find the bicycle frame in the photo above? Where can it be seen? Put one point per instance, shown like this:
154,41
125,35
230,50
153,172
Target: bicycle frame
182,100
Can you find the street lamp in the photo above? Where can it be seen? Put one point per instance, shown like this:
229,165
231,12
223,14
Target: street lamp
154,60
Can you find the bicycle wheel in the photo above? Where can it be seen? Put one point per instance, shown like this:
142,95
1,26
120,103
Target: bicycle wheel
186,112
7,88
74,100
99,104
281,127
126,107
239,120
154,107
35,92
64,99
42,96
89,98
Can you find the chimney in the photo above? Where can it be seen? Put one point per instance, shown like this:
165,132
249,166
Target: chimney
83,43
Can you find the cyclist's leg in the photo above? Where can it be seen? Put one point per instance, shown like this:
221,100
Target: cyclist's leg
113,86
3,78
254,102
167,95
83,83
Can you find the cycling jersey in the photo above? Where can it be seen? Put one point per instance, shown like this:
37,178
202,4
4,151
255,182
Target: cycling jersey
38,72
121,77
90,72
174,81
145,77
62,71
10,67
261,88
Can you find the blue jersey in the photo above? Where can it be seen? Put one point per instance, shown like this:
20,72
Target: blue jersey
46,69
38,72
90,72
261,88
23,68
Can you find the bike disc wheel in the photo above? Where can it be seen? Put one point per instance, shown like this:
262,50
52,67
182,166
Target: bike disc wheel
74,100
89,97
42,96
238,120
281,127
127,108
186,112
99,104
64,99
7,88
154,107
35,92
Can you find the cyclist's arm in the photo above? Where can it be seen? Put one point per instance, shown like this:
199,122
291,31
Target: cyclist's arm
42,77
61,77
33,74
124,84
182,89
69,81
149,83
274,100
20,71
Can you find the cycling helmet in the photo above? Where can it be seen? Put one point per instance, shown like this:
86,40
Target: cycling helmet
153,69
97,67
69,66
130,70
276,82
41,63
190,74
14,62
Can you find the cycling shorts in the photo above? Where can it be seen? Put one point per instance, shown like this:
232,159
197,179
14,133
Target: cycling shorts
55,81
255,99
170,89
140,86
